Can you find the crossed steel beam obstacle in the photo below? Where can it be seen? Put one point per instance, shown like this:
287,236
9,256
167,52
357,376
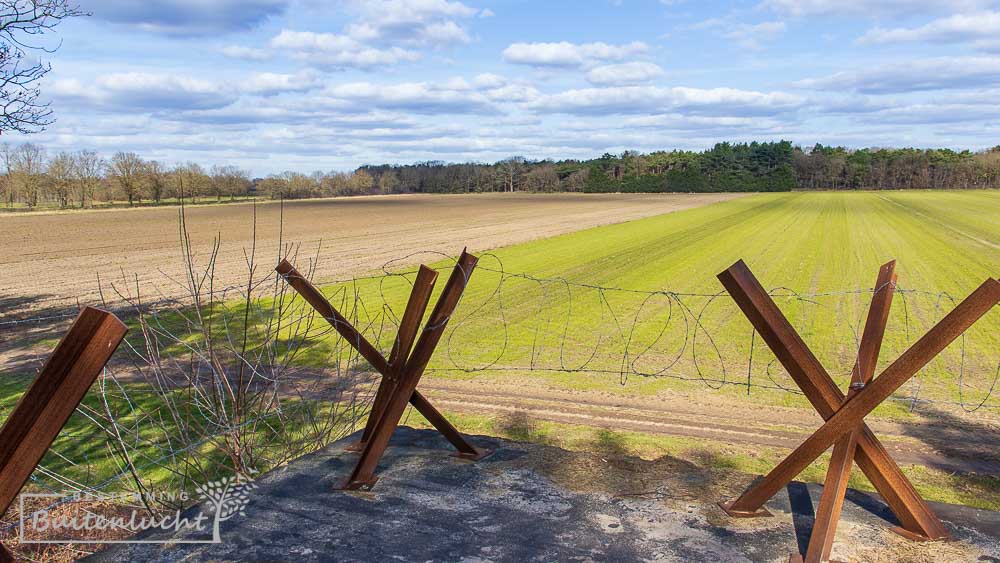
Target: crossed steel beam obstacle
402,371
844,426
52,397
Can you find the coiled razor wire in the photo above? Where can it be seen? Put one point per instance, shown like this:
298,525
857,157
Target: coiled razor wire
625,337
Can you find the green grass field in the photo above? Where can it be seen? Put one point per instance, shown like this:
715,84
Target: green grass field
828,244
806,241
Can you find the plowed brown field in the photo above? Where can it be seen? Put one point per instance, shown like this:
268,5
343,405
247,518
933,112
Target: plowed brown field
54,259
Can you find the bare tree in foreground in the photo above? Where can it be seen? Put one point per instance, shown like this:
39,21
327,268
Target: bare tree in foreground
22,22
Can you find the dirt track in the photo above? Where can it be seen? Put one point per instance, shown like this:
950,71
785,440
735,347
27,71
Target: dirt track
721,419
55,258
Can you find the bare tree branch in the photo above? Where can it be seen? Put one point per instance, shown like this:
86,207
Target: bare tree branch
23,110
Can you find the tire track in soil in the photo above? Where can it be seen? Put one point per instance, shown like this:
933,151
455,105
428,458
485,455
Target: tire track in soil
785,430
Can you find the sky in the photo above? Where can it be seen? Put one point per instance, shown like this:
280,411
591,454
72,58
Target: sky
273,85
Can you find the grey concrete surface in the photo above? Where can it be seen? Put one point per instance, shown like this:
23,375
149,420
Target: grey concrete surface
531,502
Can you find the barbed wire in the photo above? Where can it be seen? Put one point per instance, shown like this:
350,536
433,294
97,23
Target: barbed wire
698,354
166,404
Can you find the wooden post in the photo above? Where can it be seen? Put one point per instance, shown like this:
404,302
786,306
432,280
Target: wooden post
53,396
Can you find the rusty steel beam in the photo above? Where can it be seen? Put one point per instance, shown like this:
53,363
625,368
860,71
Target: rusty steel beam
914,514
409,324
50,400
406,364
55,393
984,298
363,476
313,296
465,449
424,349
839,472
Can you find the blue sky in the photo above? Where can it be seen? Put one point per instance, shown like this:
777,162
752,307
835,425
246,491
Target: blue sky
271,85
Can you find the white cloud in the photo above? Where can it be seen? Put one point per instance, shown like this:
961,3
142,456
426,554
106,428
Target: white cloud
897,8
566,54
269,83
416,97
851,104
385,33
412,22
942,73
747,35
513,93
245,53
308,40
957,28
455,83
938,113
414,11
442,33
751,35
330,49
625,73
721,126
649,99
988,45
489,80
674,120
144,91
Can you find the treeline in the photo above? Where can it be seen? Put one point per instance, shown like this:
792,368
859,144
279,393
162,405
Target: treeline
726,167
31,178
837,168
85,179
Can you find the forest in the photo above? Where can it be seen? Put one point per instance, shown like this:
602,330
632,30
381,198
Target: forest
32,179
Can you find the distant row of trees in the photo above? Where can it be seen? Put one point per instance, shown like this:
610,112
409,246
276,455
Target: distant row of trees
836,168
31,178
84,179
726,167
